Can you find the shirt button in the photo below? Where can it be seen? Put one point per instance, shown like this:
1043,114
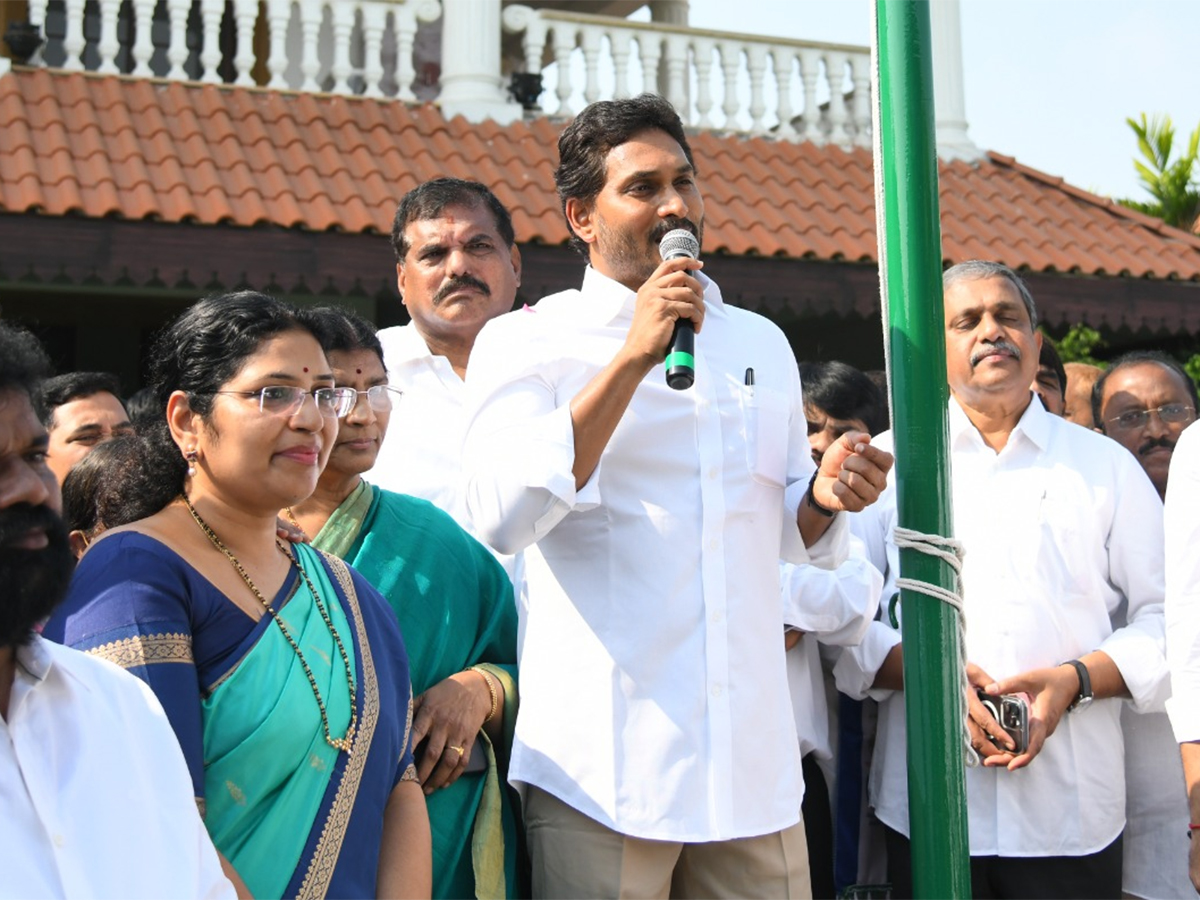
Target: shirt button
713,544
718,617
60,841
717,690
713,472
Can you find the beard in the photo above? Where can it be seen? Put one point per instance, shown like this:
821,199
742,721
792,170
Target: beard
636,256
34,581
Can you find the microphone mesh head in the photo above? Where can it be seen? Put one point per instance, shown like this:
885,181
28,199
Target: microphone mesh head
679,242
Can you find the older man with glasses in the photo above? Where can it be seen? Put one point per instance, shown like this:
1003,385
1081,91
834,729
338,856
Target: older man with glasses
1144,402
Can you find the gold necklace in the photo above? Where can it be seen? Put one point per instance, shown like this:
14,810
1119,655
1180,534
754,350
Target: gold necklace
292,518
342,743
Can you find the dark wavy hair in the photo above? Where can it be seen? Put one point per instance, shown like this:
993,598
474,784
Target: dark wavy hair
843,392
584,145
430,199
345,331
120,481
207,346
23,362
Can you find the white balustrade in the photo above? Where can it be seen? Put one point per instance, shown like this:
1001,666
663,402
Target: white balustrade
796,90
339,46
734,82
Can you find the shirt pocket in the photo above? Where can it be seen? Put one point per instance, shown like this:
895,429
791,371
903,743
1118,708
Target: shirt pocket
765,415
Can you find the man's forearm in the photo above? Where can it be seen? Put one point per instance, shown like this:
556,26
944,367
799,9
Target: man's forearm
597,410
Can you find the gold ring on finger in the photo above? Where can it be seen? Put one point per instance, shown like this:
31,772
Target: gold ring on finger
458,750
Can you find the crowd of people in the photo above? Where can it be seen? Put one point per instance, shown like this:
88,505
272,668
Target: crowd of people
481,606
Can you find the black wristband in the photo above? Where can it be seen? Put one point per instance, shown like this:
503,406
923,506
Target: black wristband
1084,697
812,501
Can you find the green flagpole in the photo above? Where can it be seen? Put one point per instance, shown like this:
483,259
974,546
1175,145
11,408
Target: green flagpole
911,278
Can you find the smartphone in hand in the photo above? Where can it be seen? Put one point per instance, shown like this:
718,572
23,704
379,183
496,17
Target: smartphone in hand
1012,712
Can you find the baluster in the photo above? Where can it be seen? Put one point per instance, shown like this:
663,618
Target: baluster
702,52
756,64
143,46
619,41
73,40
404,25
108,46
590,41
810,71
860,74
244,14
676,66
650,49
279,15
311,14
374,24
343,25
519,19
782,57
211,13
177,51
563,37
731,58
835,71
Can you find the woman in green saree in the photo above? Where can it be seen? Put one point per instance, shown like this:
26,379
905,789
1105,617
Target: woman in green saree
455,607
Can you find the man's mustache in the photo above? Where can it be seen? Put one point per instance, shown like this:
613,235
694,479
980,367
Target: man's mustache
991,347
670,224
1154,444
19,520
457,283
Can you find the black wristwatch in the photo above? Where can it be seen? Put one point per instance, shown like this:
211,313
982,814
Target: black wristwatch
1084,698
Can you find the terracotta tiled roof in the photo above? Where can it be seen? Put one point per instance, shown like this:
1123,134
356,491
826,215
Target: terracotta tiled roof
77,144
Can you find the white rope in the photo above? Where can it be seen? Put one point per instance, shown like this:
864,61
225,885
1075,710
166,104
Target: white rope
949,551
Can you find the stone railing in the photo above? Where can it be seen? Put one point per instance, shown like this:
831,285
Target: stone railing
796,90
338,46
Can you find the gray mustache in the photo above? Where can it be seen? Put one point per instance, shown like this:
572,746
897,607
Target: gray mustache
988,349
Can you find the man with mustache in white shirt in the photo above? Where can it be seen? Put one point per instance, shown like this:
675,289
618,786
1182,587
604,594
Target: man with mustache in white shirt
1062,532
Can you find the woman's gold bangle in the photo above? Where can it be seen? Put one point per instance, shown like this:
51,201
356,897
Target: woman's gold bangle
487,678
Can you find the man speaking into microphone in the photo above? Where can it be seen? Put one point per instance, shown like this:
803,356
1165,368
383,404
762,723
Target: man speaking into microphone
655,746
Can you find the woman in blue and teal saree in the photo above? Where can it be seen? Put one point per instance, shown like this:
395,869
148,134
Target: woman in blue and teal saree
455,606
281,669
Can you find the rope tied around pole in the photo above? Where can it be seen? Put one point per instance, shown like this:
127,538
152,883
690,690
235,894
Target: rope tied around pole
949,551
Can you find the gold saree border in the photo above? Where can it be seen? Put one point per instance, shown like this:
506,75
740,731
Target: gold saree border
329,846
146,649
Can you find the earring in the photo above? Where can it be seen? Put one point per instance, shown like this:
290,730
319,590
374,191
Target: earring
191,456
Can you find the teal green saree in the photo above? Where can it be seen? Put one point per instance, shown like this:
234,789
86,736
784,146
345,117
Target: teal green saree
455,606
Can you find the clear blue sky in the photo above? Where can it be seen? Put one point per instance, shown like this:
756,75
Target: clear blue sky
1050,82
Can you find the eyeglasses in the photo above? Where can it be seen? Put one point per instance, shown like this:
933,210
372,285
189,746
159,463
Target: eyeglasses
286,400
380,397
1172,414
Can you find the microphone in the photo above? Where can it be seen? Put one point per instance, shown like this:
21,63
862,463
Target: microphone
681,360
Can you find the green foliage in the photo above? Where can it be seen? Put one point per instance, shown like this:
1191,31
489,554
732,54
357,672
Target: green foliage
1173,185
1192,367
1078,343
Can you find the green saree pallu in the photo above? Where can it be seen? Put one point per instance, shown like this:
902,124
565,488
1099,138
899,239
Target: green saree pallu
454,603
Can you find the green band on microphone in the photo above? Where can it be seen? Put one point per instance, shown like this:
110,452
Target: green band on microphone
679,358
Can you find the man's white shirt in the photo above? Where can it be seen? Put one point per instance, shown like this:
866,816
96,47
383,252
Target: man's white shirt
422,453
1182,531
96,796
1058,527
653,688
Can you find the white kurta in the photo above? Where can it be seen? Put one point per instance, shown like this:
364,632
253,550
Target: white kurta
653,687
95,796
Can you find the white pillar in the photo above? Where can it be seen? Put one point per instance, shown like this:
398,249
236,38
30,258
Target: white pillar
950,107
472,85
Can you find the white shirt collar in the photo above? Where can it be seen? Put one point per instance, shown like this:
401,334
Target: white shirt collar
608,300
1034,424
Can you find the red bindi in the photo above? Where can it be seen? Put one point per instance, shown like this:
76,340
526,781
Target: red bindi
306,368
358,371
